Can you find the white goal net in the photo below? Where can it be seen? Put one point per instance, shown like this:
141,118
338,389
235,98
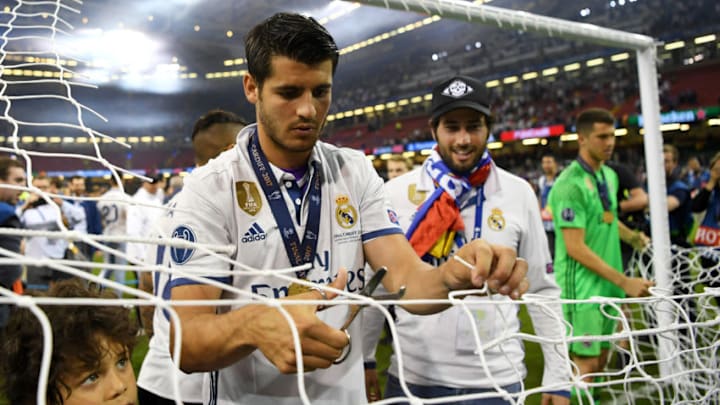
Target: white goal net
666,350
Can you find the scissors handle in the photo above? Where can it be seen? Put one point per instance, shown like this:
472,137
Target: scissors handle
346,350
354,310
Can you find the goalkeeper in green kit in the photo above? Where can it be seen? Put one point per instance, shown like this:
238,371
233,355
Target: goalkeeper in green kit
588,261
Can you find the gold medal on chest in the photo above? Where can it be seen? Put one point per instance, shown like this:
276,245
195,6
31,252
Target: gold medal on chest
608,217
295,289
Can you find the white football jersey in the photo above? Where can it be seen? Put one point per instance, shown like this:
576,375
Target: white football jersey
440,349
113,212
140,219
157,368
45,218
222,203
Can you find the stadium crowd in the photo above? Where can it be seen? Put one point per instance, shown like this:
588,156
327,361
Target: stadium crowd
538,219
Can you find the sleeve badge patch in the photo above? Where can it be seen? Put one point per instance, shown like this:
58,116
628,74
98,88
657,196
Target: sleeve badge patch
393,217
181,255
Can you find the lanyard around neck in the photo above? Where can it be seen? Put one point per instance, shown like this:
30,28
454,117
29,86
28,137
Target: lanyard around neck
601,184
298,253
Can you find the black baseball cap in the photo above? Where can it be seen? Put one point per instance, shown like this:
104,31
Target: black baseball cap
459,92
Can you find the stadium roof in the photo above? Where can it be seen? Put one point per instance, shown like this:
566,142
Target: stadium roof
159,64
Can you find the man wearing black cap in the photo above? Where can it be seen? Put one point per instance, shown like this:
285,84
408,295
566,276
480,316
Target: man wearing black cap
459,195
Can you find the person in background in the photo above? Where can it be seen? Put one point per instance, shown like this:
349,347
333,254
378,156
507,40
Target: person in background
37,214
148,202
284,199
632,203
91,348
12,173
679,205
588,262
397,165
93,222
212,134
113,207
544,185
174,186
707,237
694,175
480,200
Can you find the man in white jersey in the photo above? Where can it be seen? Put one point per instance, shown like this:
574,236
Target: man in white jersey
283,199
140,217
212,134
113,214
439,352
39,215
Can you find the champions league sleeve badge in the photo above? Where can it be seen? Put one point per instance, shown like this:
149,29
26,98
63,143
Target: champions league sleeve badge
567,214
181,255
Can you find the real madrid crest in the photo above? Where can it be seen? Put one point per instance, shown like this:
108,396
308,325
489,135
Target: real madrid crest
414,196
345,213
248,197
496,221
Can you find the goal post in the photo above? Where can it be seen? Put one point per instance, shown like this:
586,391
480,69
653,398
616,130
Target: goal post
645,49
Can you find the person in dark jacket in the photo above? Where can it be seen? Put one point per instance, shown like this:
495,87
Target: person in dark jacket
12,173
707,237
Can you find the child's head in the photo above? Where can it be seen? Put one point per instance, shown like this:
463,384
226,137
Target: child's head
91,352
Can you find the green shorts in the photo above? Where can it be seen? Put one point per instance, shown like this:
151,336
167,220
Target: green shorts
587,320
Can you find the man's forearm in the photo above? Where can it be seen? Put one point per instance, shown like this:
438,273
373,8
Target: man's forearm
211,341
586,257
426,284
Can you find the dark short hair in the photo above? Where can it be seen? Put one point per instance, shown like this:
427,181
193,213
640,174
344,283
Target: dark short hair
77,330
6,163
586,120
295,36
75,177
216,117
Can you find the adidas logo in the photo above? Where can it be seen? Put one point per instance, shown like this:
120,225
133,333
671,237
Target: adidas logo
254,234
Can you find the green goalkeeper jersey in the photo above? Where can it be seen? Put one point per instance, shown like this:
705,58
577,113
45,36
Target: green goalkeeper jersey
575,202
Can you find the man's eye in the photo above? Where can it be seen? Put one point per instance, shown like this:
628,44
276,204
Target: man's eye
322,92
289,94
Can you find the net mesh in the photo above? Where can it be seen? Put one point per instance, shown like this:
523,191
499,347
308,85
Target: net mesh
29,31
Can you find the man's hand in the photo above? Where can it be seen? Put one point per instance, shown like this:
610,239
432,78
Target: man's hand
498,265
550,399
639,241
320,343
636,286
372,385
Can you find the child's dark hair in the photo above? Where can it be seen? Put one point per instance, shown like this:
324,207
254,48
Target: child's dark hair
77,334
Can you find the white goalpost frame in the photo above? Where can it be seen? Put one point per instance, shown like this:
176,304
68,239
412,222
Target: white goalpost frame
644,46
645,50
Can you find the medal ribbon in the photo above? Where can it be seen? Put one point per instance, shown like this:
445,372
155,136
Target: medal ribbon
298,253
600,184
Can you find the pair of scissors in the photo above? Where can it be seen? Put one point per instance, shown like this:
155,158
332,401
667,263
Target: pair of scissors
367,291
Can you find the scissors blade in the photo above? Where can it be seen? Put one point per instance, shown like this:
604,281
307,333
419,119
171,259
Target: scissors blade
374,282
366,291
